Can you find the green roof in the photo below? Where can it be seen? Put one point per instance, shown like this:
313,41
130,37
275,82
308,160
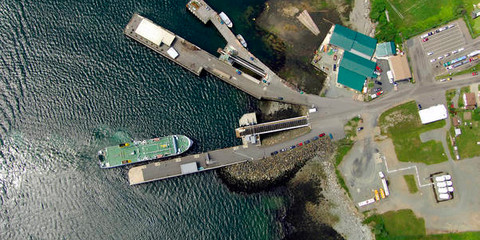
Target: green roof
350,79
364,44
343,37
138,151
358,64
385,49
351,40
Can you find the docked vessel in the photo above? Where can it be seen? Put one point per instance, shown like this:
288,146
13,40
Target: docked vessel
226,20
242,40
140,151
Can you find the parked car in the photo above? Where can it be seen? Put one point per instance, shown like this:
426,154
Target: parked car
379,93
433,60
449,79
446,54
334,67
378,82
440,57
283,149
334,57
321,134
378,68
307,142
425,39
315,138
420,106
359,129
474,73
274,153
378,89
430,53
292,147
299,144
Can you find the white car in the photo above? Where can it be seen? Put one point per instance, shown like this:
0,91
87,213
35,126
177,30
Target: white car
454,51
433,60
440,57
430,53
380,174
461,49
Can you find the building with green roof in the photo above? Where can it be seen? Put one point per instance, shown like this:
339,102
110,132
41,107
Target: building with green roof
385,49
353,41
353,71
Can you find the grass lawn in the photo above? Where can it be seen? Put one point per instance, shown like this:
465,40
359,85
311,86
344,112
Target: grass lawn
410,180
402,124
450,94
467,141
403,224
412,17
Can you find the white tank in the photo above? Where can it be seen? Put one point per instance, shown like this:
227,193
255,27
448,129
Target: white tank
442,190
449,183
447,177
439,179
444,196
441,184
450,189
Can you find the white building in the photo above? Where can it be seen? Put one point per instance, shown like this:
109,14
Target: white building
433,114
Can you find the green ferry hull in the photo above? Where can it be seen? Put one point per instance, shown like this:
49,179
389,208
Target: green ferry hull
141,151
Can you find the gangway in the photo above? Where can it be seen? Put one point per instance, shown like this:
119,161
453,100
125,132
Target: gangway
275,126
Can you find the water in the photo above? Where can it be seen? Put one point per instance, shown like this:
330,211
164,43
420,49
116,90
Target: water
72,83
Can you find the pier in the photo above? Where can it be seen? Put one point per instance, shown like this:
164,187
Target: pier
194,163
195,59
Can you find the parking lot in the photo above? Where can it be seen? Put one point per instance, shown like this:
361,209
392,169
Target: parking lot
430,50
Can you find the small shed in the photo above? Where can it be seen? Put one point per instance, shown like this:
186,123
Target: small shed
189,168
456,122
385,49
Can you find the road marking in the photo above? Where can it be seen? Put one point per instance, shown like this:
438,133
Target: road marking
407,168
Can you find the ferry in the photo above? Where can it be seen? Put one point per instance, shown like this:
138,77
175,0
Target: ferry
141,151
226,20
242,40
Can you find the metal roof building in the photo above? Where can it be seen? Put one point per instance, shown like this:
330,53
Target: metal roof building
353,71
353,41
400,68
433,114
154,33
385,49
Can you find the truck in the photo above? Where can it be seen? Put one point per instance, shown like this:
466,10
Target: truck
390,76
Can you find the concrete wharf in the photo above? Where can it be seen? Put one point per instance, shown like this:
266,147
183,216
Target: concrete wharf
271,127
202,161
194,59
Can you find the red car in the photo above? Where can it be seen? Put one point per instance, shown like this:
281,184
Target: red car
474,73
300,144
425,39
378,69
379,93
321,135
334,57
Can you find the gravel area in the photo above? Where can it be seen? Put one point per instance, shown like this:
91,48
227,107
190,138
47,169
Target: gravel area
350,220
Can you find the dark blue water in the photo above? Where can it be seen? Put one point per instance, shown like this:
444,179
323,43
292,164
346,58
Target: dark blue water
72,83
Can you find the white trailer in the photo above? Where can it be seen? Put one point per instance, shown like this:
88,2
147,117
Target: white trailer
385,187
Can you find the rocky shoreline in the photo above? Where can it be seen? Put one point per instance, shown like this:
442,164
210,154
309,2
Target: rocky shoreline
260,175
